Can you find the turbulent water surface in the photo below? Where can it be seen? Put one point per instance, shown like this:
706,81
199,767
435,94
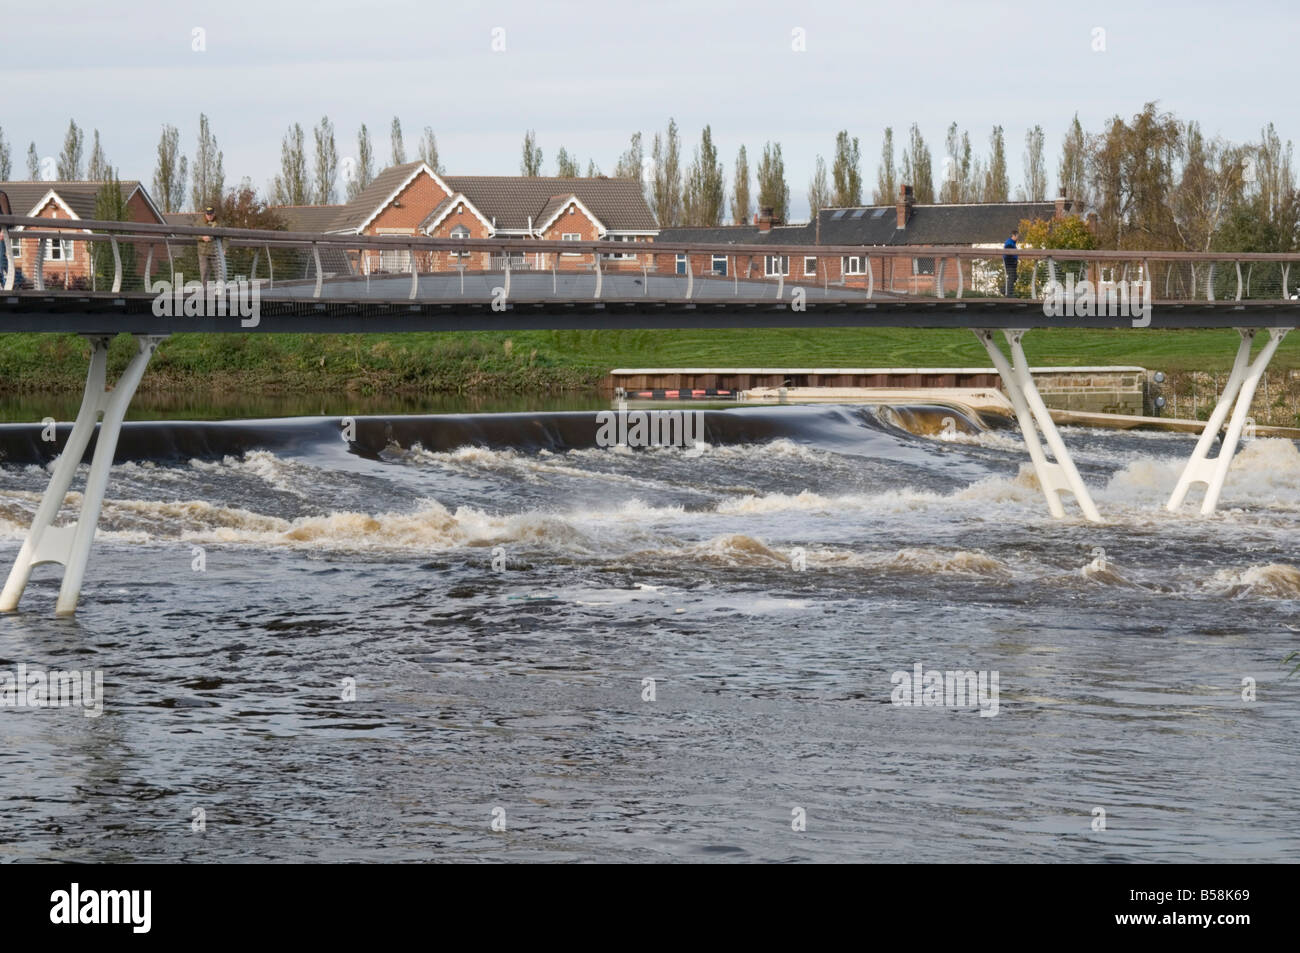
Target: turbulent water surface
501,591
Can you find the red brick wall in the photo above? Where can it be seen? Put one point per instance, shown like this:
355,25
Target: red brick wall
446,261
572,220
417,200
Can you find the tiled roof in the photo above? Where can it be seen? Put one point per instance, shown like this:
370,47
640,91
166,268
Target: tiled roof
437,210
354,213
308,218
513,199
78,196
182,218
975,224
805,234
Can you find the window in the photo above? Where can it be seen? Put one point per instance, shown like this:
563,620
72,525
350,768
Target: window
774,265
460,231
681,264
922,266
16,244
720,265
852,265
57,250
621,254
571,237
395,260
810,265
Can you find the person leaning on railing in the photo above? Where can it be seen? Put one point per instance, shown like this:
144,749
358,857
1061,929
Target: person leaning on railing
209,259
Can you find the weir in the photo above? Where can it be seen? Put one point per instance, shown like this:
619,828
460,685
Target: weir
582,284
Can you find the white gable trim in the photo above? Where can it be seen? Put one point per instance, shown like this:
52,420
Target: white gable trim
422,167
451,207
601,230
45,200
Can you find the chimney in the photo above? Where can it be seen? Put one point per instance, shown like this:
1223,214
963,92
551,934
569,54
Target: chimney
765,219
1062,205
904,206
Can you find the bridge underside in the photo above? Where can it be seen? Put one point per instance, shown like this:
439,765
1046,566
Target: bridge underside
107,313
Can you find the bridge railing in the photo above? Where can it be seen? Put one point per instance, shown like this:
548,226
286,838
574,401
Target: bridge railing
60,255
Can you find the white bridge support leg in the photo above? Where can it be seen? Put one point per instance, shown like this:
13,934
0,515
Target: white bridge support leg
70,545
1056,477
1237,396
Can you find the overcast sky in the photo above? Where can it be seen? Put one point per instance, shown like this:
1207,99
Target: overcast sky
586,75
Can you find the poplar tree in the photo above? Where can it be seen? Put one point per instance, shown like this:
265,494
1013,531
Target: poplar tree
819,189
886,176
531,162
398,156
846,171
208,181
429,151
69,161
291,187
773,192
364,173
170,173
327,163
741,207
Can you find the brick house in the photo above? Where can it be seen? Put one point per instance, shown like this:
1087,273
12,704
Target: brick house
68,261
412,199
977,225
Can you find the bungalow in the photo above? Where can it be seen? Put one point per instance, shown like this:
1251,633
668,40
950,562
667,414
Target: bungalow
978,225
67,263
412,199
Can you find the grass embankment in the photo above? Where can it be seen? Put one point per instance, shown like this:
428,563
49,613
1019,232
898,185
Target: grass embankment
559,361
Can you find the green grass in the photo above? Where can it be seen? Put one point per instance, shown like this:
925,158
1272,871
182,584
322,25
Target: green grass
552,361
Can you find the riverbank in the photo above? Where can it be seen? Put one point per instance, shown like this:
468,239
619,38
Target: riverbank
578,362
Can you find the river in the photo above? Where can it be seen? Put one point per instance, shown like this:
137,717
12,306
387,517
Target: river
481,636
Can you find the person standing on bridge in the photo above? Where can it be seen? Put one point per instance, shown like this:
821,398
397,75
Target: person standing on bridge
209,257
1011,263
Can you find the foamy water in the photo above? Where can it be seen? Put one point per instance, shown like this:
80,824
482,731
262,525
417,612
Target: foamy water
501,603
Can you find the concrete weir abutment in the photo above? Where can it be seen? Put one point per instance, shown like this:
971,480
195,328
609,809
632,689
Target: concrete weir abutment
70,545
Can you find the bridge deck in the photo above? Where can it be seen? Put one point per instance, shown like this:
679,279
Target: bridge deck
383,304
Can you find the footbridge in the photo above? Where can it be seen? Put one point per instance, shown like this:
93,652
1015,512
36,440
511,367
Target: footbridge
100,279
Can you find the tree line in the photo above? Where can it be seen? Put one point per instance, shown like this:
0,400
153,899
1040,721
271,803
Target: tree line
1153,180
